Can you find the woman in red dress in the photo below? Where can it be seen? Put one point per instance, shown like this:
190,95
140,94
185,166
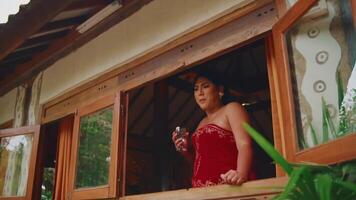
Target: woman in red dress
220,147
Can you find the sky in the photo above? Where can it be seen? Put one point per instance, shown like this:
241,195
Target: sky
8,7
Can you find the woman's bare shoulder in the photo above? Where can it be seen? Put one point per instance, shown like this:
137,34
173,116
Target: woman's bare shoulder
201,123
234,108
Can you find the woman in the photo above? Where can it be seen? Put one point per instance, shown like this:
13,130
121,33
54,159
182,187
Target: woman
220,147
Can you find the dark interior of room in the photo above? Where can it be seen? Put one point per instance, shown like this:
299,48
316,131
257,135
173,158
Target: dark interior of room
48,155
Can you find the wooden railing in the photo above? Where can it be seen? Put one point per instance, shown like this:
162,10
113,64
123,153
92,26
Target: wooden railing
253,190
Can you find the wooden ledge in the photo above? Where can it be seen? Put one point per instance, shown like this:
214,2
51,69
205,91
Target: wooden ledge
259,189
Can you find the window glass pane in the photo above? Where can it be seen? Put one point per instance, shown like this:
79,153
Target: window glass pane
322,47
15,154
94,149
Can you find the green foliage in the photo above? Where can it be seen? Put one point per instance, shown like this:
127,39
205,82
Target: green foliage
347,123
269,149
317,182
327,123
340,88
94,149
47,183
347,119
313,132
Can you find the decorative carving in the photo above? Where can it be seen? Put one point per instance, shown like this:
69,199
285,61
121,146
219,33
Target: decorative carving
319,86
322,57
313,32
332,110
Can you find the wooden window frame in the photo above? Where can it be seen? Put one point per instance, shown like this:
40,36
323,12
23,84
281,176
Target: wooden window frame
284,104
353,10
35,131
282,7
110,190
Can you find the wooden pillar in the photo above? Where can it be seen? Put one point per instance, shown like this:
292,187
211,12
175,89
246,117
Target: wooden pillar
353,10
34,102
20,106
161,136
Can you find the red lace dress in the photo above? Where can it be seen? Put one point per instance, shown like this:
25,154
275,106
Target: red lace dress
215,154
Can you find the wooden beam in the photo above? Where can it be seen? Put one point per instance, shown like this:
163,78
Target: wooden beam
281,7
64,46
27,22
44,39
87,4
353,11
35,48
258,189
41,58
64,23
28,52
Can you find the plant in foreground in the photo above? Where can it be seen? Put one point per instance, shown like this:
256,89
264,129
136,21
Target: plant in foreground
310,181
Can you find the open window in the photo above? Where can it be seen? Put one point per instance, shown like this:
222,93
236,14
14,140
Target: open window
47,159
156,108
314,75
18,152
94,160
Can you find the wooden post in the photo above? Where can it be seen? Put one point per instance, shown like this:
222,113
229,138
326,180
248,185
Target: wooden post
161,136
353,10
33,117
20,106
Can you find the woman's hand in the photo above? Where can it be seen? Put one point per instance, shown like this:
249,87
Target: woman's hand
181,143
234,177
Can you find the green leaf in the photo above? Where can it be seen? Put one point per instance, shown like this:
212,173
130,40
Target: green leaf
323,185
346,190
348,185
340,88
313,133
296,186
325,124
268,148
348,169
328,119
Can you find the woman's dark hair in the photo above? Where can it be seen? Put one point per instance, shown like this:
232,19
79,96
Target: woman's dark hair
214,77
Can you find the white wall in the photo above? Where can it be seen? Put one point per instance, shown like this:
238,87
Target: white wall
7,106
153,25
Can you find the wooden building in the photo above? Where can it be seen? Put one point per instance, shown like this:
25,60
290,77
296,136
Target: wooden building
90,91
